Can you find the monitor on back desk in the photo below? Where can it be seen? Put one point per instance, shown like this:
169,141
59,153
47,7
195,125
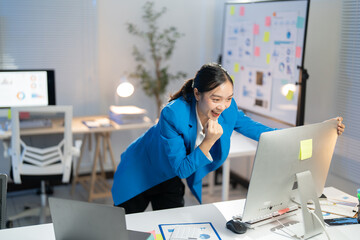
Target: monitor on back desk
26,88
281,157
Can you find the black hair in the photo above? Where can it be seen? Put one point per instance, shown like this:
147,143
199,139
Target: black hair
209,77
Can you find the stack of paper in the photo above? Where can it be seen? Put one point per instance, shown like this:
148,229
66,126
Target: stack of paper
126,114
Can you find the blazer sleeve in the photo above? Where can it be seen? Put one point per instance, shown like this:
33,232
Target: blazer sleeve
173,129
248,127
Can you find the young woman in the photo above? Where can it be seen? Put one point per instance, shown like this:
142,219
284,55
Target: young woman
191,139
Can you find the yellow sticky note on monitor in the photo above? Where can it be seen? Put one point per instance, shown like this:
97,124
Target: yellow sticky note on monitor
305,149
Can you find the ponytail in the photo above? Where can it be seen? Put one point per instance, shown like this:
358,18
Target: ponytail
186,91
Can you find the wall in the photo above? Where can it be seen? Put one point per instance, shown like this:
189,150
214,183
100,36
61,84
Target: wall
114,59
193,18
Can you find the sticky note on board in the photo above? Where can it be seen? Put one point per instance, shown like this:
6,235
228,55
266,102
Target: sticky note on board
268,58
232,77
267,21
9,114
242,11
257,52
256,29
236,67
232,10
266,36
298,52
290,95
305,149
300,22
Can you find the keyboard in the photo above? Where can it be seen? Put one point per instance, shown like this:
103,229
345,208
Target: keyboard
185,233
35,123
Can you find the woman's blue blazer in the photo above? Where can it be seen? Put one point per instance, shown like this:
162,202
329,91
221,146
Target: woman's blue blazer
167,150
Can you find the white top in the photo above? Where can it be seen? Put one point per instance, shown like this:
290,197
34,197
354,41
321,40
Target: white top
200,135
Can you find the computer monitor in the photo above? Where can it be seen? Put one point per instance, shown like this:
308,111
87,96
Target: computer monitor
23,88
280,156
3,187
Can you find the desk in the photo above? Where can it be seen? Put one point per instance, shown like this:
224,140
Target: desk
240,146
96,185
217,213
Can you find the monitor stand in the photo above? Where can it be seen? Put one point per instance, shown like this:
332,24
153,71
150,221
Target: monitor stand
312,226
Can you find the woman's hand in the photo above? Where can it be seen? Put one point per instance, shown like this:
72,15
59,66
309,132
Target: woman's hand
213,132
340,126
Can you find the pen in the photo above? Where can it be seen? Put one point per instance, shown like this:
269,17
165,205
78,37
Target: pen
358,214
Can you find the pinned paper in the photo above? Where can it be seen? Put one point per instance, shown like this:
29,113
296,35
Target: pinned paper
300,22
232,10
268,21
268,58
257,52
242,11
290,95
256,29
298,52
266,36
305,149
236,67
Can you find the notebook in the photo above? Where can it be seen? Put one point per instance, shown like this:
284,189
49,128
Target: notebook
83,220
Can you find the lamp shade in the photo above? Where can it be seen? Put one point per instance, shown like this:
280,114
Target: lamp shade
125,89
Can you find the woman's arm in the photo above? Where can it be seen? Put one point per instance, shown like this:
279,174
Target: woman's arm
183,160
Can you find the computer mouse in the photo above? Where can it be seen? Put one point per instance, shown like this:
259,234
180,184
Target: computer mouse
236,226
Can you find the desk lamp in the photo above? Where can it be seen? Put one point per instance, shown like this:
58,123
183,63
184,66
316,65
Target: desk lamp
125,88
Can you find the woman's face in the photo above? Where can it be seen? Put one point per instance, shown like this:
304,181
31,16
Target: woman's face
212,103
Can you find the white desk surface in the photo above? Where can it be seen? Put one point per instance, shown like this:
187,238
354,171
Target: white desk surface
216,213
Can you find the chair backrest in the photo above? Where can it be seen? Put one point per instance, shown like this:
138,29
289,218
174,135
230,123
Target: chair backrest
39,161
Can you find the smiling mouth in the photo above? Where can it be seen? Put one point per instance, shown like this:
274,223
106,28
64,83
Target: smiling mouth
215,114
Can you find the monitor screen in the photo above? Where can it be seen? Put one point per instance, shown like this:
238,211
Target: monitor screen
23,88
279,157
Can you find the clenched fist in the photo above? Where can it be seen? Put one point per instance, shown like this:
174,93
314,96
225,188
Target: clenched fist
213,132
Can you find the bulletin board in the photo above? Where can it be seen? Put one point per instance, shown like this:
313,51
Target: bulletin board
263,49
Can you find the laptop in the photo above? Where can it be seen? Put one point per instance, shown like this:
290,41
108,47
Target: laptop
83,220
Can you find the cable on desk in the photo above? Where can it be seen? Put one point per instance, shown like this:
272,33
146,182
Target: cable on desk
321,223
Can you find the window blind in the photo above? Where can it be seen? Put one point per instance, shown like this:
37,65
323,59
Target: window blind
58,35
346,161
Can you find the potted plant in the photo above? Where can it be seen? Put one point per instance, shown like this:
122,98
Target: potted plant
152,68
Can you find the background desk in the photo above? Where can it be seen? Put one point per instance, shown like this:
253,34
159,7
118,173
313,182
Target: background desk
216,213
102,143
240,146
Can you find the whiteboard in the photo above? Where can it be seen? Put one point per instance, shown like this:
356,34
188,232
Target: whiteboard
263,45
